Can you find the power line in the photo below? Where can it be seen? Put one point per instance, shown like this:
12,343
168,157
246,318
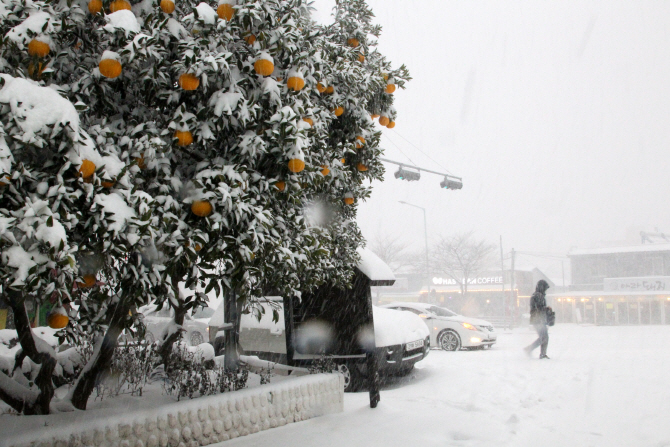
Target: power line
417,148
398,147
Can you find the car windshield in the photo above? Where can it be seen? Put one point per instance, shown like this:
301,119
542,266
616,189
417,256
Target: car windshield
441,311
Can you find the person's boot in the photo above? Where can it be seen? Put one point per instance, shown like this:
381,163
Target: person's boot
544,356
528,350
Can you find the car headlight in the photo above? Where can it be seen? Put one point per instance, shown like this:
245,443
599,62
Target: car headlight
469,326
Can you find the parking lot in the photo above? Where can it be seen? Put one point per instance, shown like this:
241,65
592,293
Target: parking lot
604,386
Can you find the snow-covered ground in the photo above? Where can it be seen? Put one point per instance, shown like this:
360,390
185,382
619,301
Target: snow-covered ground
604,386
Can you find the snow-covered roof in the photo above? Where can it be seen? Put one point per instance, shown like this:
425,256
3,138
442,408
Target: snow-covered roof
627,249
378,271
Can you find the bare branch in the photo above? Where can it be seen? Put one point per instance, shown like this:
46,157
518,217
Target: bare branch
462,257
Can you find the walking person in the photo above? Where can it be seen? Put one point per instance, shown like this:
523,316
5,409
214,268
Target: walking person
538,318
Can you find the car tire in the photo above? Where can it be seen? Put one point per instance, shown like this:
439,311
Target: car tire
353,378
197,338
449,341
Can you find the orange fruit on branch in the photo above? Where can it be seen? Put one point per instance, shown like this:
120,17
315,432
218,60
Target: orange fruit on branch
110,68
167,6
38,48
188,81
201,208
295,83
87,168
225,11
296,165
184,137
264,67
95,6
118,5
89,281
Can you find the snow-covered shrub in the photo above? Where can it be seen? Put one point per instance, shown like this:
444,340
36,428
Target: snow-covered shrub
131,369
187,375
323,364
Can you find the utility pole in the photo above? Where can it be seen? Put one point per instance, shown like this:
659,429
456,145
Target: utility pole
512,280
425,236
502,269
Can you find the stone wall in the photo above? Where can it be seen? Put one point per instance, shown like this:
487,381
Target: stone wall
200,421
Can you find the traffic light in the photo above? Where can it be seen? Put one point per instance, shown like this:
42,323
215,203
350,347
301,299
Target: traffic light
451,184
410,176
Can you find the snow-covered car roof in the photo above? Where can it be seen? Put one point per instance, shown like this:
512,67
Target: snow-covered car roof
413,305
373,267
394,327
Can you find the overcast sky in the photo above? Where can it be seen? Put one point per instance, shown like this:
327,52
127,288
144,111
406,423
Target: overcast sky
555,113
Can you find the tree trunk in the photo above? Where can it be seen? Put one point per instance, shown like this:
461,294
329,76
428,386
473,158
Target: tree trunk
101,360
165,350
29,348
232,315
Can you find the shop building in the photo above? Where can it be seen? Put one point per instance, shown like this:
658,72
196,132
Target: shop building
489,295
616,285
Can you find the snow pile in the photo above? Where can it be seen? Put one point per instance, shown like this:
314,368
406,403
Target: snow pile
224,102
206,13
16,257
6,158
373,267
39,22
395,327
123,20
37,107
117,210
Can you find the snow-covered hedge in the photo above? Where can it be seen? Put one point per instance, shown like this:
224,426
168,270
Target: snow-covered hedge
192,423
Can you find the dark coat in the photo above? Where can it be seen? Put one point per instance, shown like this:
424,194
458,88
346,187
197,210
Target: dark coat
538,303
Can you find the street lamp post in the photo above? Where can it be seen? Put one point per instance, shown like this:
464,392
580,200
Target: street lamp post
425,235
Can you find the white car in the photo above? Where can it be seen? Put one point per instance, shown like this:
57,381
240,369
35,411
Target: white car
196,327
448,330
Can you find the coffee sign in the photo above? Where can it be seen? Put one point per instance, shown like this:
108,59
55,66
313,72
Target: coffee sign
471,281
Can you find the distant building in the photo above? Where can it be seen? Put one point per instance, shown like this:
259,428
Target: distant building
488,296
617,285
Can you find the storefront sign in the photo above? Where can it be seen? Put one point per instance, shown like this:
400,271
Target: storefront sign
471,281
651,283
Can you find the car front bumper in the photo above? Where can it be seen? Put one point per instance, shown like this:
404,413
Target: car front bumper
475,339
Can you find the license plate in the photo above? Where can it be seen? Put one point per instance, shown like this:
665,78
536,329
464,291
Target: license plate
414,344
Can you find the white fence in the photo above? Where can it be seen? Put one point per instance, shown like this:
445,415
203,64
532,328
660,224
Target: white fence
196,422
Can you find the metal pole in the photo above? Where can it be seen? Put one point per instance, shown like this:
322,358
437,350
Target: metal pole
512,302
563,269
405,165
502,269
425,235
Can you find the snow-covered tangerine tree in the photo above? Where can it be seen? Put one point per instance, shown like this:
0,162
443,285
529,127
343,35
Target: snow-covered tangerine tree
239,141
70,223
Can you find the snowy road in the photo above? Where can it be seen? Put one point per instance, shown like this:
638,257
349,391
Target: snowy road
604,386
